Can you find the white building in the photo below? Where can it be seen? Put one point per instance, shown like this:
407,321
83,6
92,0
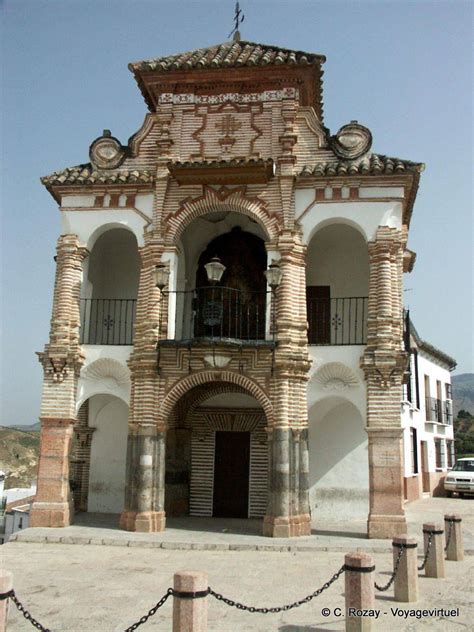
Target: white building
427,417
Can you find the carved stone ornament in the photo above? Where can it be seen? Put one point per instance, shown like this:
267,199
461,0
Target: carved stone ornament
108,371
106,152
335,376
352,141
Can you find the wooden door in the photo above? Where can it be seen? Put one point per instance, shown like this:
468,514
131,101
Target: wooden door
318,303
231,475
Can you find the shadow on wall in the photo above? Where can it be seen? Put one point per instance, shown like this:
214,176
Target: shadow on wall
338,473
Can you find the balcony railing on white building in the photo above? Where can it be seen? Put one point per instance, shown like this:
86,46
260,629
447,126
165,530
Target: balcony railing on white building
107,321
337,321
439,411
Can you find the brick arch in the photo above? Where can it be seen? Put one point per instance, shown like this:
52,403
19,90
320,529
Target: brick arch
214,379
186,405
213,201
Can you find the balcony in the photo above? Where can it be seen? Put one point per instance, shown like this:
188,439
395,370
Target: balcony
217,313
337,321
438,411
107,321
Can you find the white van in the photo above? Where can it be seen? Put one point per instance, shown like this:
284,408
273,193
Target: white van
461,478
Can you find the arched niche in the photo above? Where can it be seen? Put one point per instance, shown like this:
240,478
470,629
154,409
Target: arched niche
114,266
337,285
338,460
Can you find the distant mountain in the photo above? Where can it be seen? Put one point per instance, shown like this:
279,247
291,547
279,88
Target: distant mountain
19,452
463,392
31,428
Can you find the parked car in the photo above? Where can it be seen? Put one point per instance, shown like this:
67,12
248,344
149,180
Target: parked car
461,478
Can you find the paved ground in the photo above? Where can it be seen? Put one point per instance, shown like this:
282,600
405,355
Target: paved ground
106,588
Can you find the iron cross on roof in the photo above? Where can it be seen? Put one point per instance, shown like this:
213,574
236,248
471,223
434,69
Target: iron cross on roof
239,17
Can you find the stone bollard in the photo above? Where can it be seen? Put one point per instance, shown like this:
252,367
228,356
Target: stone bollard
455,550
406,579
360,591
435,562
190,602
6,584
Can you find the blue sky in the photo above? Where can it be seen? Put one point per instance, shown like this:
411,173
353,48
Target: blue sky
402,68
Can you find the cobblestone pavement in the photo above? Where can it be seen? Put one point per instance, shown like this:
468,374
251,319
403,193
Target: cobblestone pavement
106,588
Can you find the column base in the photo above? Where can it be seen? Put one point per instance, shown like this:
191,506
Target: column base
44,514
145,522
287,527
386,526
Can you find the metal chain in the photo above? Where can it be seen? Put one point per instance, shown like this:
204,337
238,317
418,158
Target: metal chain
150,612
26,614
448,539
133,627
427,552
394,574
296,604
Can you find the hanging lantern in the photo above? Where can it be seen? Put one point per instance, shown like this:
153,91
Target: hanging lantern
273,275
214,270
161,274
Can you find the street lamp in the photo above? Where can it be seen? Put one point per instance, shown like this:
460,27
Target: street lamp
214,270
161,274
273,274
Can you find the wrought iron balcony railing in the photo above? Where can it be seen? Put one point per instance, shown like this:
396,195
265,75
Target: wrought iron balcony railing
220,313
337,321
439,411
107,321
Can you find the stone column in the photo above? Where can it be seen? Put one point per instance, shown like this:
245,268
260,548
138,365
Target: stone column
53,506
61,360
144,494
277,520
384,364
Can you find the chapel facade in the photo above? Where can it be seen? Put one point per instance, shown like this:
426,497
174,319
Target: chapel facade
227,331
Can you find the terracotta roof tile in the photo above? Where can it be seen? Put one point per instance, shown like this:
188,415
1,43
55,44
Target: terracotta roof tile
228,54
374,164
87,174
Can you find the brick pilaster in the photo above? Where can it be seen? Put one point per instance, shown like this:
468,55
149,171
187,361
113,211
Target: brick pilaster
384,363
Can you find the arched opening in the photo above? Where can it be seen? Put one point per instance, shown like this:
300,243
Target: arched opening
110,289
338,457
337,286
216,454
98,455
235,307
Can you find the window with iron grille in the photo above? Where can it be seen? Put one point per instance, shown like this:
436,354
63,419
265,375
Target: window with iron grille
450,452
449,391
438,453
414,450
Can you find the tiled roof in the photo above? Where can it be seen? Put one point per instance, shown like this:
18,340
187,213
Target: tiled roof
87,174
431,349
374,164
229,55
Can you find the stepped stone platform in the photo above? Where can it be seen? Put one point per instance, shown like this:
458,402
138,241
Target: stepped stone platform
223,534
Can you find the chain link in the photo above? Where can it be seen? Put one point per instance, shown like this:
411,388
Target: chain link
290,606
150,612
448,539
394,574
427,552
26,614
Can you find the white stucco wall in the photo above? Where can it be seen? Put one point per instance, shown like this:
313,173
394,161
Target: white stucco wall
109,415
89,225
413,417
338,457
365,216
